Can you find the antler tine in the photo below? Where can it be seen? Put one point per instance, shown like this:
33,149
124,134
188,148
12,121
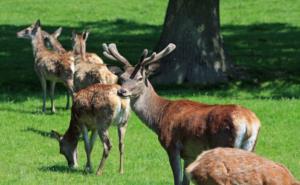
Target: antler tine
140,63
115,53
144,55
106,52
155,57
146,60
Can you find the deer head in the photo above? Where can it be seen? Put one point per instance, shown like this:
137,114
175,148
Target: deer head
51,40
79,43
68,149
29,32
135,79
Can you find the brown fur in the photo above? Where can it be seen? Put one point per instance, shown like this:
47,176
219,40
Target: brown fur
49,65
184,128
227,166
52,40
95,108
88,72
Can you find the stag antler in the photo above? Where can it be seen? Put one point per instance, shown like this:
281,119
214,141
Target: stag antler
144,62
112,53
155,57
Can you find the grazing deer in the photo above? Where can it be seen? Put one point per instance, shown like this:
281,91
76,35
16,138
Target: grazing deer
230,166
184,128
87,73
52,41
95,108
49,65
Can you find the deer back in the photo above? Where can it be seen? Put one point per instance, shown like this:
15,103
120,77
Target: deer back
235,166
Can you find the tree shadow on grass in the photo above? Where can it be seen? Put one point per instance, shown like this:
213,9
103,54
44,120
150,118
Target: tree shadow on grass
268,54
271,47
16,59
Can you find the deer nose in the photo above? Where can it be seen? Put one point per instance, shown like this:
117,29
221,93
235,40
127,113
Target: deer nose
122,92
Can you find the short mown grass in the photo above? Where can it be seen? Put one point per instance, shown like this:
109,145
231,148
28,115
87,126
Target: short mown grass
261,36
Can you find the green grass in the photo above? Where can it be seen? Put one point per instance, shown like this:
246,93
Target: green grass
261,36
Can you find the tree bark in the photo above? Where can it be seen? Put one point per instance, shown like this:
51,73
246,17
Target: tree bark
194,26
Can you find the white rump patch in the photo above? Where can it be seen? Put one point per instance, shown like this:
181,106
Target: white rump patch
240,134
249,143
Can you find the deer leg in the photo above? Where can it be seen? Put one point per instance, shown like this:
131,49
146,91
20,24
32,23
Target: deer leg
106,148
52,96
88,145
70,86
174,159
44,88
68,100
121,133
185,180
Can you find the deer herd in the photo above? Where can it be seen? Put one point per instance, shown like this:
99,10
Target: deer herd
224,136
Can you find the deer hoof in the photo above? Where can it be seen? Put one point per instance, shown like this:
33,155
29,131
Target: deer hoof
88,169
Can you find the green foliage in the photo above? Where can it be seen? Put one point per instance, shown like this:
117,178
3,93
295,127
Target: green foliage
262,36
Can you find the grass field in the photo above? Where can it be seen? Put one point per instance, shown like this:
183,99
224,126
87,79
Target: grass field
261,36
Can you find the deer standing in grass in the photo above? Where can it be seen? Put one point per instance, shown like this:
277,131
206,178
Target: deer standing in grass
184,128
49,66
228,166
87,73
52,41
95,108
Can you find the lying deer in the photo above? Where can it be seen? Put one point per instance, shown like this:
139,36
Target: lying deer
87,73
229,166
184,128
49,65
52,41
95,108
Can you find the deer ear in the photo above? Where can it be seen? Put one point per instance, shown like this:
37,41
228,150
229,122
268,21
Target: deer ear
57,33
85,35
37,23
56,135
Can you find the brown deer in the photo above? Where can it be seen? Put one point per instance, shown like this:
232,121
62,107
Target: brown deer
230,166
95,108
53,43
49,65
87,73
184,128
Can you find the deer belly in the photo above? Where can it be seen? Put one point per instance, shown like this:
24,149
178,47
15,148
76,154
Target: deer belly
192,148
89,121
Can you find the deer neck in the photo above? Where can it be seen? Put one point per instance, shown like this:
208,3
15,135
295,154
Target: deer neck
57,46
149,107
81,54
73,133
38,43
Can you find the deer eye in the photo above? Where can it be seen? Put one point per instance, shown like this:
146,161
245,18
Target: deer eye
140,79
26,31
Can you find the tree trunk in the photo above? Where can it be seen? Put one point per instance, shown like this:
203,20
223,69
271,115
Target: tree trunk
194,26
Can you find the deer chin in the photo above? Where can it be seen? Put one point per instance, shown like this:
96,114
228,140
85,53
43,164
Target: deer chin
124,94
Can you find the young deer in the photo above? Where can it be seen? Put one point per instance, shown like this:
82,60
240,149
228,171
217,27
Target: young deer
52,41
234,166
49,65
87,73
95,108
184,128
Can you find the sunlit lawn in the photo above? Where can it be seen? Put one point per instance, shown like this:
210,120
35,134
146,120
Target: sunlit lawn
260,35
